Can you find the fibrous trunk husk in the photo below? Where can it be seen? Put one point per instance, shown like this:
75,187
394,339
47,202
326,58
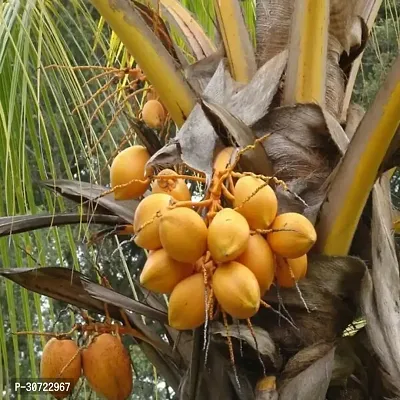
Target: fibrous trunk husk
273,24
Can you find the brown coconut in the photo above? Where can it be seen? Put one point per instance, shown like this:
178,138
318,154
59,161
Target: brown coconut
61,359
127,166
107,367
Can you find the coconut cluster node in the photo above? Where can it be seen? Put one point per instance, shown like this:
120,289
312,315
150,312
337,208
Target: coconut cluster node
223,253
104,362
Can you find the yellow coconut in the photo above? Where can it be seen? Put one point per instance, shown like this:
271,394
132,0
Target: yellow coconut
223,158
290,270
236,289
127,166
259,258
149,212
261,209
228,235
161,273
183,234
293,235
176,188
107,367
61,356
186,308
153,114
266,383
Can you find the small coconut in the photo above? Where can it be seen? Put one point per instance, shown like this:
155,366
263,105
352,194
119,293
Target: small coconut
107,367
176,188
153,114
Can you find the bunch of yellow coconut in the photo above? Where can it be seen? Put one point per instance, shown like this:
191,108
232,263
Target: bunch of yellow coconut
227,258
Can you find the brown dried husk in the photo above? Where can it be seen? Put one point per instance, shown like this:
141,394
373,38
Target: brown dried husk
273,24
330,291
61,355
107,367
302,154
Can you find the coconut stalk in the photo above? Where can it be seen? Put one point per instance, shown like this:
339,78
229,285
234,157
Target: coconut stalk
141,42
238,47
306,70
359,167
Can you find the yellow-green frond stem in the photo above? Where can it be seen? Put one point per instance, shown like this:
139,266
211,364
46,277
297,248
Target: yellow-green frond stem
153,58
238,46
191,30
306,71
358,171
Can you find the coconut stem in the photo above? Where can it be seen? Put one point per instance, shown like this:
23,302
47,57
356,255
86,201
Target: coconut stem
266,305
149,222
227,193
231,184
69,362
253,334
175,177
230,346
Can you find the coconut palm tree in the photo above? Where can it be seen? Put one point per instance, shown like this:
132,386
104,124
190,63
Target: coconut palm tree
295,86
